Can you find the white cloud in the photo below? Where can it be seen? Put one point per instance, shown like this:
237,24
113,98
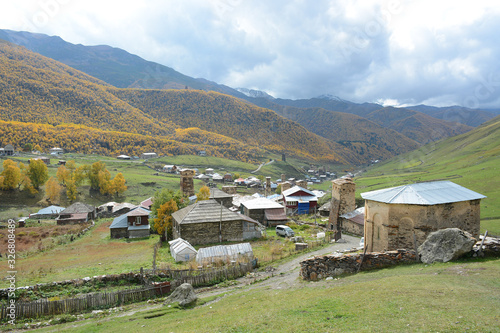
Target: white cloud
396,51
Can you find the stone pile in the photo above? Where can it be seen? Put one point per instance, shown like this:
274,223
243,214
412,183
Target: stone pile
320,267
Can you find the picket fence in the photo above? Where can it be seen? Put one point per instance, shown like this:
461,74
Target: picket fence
87,302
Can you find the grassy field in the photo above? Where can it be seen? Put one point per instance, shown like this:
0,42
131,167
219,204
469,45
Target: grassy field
451,297
93,254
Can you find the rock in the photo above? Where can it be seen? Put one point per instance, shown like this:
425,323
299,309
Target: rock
184,294
445,245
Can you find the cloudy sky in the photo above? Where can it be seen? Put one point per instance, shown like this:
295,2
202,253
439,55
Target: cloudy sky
392,52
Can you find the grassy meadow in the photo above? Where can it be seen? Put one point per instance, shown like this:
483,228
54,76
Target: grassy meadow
451,297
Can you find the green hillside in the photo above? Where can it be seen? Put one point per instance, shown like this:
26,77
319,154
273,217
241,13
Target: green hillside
471,160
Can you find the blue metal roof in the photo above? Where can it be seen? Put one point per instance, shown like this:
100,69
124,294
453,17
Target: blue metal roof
428,193
50,210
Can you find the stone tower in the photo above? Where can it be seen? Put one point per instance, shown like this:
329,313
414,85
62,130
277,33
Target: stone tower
343,201
283,177
187,185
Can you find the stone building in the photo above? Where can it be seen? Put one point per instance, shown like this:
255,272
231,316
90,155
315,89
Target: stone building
208,222
187,185
395,217
343,201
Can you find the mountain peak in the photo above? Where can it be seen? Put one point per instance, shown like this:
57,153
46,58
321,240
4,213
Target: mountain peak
254,93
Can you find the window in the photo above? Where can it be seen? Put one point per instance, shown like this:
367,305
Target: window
137,220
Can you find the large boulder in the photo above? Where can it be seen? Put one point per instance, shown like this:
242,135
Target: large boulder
184,295
445,245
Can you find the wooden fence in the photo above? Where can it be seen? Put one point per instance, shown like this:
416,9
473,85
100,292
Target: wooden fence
82,303
106,300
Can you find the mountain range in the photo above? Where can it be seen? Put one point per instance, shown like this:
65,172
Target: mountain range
157,100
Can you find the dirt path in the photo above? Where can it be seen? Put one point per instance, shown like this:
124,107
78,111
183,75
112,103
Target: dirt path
283,276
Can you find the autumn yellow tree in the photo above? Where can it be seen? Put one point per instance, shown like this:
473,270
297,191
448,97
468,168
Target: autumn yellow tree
118,184
38,173
163,221
63,174
10,176
104,181
203,194
25,182
53,190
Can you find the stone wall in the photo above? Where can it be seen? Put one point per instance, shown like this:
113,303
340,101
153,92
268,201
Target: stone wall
394,226
208,233
320,267
352,227
229,189
119,232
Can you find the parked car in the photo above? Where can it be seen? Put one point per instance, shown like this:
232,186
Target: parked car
362,242
285,231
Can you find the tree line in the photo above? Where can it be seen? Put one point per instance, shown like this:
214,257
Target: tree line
18,176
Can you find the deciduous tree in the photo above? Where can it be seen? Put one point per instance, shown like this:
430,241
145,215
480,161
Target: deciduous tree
10,176
203,194
119,184
38,173
53,190
163,221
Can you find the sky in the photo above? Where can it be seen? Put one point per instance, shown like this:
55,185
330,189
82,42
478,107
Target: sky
392,52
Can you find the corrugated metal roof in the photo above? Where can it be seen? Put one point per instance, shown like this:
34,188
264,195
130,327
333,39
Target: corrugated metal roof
428,193
50,210
206,211
261,203
294,189
224,252
139,211
300,198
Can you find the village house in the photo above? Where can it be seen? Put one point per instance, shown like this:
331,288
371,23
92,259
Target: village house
8,150
395,216
267,212
208,222
56,151
44,159
112,209
134,224
146,156
298,200
50,212
76,213
123,157
170,168
228,177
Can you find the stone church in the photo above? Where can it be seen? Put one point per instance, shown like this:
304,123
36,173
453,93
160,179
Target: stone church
397,217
